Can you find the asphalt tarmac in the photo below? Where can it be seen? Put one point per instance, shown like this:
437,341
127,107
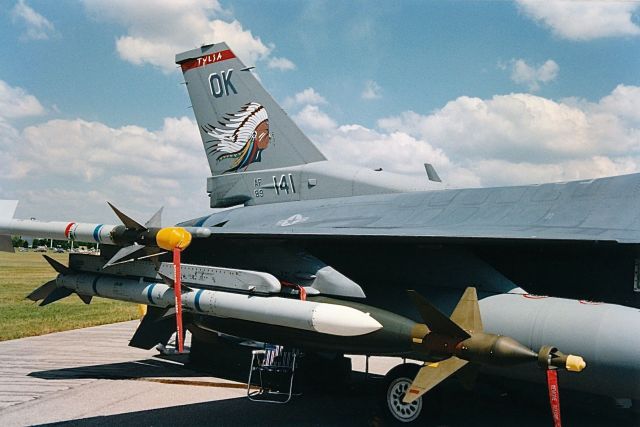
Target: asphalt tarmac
90,377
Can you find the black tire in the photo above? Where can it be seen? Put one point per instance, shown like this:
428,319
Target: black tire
425,409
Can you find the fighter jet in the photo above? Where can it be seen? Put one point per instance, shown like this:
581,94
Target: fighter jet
334,259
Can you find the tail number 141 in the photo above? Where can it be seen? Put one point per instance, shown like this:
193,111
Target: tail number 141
284,184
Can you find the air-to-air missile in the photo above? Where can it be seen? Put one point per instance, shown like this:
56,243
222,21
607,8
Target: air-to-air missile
331,319
138,240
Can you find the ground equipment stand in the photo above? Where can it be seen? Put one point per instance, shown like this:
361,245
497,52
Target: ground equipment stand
275,367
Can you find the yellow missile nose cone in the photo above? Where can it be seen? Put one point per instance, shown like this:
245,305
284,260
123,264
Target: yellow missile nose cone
575,363
171,238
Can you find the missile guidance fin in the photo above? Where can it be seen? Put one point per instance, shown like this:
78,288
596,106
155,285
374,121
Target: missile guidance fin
155,220
43,291
57,294
156,327
85,298
127,221
435,320
430,375
57,266
467,312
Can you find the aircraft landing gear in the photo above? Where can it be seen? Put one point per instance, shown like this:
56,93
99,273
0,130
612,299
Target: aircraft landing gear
396,384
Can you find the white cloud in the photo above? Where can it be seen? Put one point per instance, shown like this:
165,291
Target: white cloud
521,138
532,76
77,165
282,64
15,102
584,20
37,26
372,90
158,29
504,140
307,96
311,117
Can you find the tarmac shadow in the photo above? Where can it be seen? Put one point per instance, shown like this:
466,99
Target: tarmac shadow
144,368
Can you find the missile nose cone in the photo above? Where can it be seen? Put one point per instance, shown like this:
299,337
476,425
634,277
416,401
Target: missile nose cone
575,363
340,320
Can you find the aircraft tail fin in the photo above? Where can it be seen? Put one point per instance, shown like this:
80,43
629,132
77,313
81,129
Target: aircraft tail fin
241,125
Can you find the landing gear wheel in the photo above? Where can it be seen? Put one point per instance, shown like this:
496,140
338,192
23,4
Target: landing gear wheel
397,383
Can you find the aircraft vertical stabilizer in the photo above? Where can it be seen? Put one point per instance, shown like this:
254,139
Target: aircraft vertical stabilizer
241,126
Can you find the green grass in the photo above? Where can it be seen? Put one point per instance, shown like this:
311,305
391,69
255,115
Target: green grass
22,272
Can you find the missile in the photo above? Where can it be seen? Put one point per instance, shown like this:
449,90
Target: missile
138,240
461,340
331,319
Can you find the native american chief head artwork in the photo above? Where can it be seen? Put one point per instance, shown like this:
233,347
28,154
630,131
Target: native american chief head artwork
241,136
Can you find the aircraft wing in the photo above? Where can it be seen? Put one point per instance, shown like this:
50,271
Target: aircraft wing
606,209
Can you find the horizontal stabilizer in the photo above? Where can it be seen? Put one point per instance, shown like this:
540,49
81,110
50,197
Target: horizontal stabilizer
430,375
436,321
156,327
57,294
43,291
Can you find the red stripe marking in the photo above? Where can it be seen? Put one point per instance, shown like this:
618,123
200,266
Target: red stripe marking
66,230
414,391
223,55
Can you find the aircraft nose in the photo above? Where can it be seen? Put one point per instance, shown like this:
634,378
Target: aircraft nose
607,336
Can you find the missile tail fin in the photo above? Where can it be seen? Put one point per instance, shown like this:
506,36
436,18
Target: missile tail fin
467,312
156,327
430,375
57,294
85,298
435,320
43,291
126,220
57,266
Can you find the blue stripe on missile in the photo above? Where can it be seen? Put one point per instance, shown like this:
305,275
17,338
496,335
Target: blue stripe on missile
96,232
149,291
94,285
197,300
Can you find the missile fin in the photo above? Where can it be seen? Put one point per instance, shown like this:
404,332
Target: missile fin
125,254
430,375
85,298
43,291
155,220
57,266
467,312
57,294
156,327
435,320
127,221
170,282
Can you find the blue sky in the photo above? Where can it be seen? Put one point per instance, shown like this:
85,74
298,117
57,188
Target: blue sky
492,93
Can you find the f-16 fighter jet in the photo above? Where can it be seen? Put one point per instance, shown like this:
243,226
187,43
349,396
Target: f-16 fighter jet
334,259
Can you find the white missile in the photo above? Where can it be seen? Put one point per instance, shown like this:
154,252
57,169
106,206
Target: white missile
332,319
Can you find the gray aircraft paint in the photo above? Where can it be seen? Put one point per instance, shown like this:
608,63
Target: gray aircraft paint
230,107
594,210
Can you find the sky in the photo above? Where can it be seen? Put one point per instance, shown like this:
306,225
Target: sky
93,109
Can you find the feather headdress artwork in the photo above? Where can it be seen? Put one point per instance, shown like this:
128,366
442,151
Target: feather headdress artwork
241,136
